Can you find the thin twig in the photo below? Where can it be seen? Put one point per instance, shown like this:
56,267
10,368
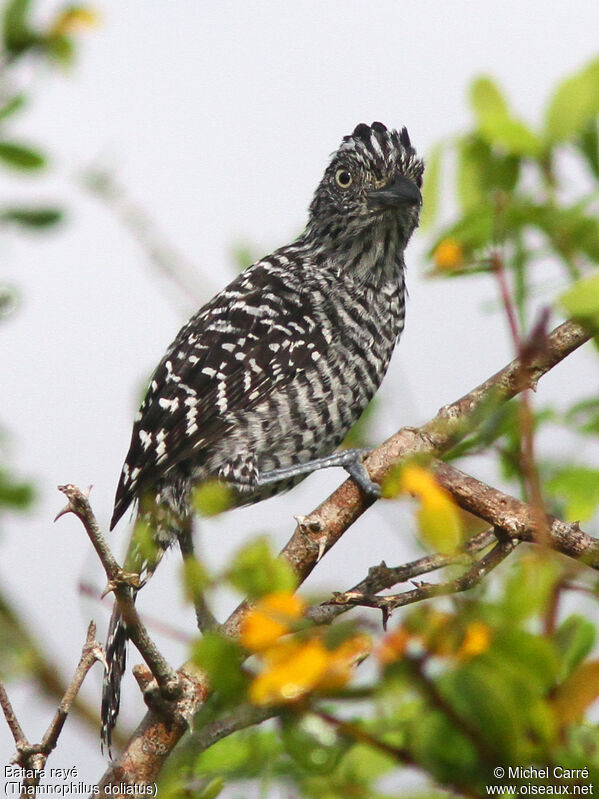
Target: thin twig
33,757
383,577
11,719
92,652
464,582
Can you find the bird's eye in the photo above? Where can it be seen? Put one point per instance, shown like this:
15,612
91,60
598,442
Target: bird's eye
343,178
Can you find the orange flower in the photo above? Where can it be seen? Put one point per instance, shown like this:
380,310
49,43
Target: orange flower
448,255
293,670
296,668
273,616
393,646
343,660
477,640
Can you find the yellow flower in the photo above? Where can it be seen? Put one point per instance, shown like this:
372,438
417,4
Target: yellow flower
75,18
296,668
438,517
343,660
273,616
448,255
293,669
477,640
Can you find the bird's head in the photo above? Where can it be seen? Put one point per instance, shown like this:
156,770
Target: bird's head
373,180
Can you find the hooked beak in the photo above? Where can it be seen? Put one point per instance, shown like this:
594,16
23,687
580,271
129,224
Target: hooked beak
401,192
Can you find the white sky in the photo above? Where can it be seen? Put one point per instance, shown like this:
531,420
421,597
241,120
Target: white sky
218,119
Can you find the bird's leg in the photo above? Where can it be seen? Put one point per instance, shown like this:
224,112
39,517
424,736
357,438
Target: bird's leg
204,616
348,459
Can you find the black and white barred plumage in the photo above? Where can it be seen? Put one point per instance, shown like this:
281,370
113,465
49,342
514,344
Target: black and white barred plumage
273,372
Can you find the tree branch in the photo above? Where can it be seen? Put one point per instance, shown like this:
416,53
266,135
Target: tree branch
515,518
120,582
155,737
464,582
382,577
33,756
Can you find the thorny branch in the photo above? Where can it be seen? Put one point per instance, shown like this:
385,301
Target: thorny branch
382,576
120,583
156,736
464,582
33,756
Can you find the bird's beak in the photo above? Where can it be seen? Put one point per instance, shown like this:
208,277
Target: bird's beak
401,192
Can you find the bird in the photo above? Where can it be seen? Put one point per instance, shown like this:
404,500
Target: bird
264,382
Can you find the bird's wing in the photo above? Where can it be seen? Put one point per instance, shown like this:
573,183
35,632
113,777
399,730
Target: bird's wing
250,340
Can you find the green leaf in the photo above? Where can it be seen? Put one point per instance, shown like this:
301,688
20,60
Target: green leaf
221,657
575,638
195,578
8,301
213,789
530,587
487,100
12,106
61,48
496,124
256,571
582,299
588,144
578,488
574,104
362,764
212,497
19,157
243,754
17,34
441,748
14,494
32,217
473,231
474,156
430,187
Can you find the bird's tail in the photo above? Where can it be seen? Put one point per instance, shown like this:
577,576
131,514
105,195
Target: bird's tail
157,527
116,658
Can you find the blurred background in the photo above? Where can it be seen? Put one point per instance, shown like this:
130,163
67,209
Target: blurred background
181,139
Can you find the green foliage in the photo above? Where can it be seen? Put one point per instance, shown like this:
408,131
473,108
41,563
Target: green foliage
220,658
14,494
212,498
495,123
574,104
32,218
577,490
256,571
17,36
574,638
21,157
582,300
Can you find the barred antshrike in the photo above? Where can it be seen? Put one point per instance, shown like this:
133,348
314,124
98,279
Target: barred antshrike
264,382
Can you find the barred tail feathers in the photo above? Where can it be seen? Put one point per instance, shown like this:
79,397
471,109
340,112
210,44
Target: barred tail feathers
116,657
